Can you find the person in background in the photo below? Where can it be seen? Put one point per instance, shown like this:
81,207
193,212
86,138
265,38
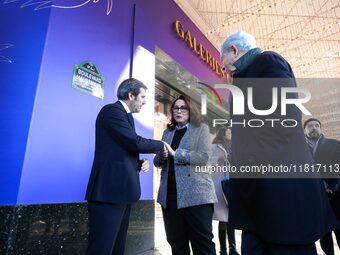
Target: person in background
276,215
114,181
326,152
221,153
186,194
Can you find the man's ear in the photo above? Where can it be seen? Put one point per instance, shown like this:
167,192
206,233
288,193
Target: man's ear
234,49
131,96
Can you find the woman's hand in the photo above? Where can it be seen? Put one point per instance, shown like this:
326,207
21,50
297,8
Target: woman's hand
170,150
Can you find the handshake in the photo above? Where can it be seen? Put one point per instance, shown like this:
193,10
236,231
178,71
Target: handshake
143,164
167,151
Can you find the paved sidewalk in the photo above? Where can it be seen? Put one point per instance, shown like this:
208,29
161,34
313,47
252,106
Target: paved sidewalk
163,248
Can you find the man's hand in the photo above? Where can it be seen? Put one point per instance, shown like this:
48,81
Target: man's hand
329,191
164,154
145,165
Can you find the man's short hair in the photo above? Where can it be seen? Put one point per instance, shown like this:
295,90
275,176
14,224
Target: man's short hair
242,40
129,85
309,120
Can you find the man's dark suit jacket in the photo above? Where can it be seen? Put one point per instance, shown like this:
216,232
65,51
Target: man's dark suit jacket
282,211
115,175
328,154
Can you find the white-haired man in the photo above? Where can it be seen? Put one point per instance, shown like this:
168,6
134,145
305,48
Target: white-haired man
281,215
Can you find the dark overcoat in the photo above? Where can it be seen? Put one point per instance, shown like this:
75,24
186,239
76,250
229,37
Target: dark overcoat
284,210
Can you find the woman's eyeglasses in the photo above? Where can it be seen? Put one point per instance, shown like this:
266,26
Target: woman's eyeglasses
183,109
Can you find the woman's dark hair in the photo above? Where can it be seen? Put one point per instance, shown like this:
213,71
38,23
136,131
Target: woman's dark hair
219,138
195,117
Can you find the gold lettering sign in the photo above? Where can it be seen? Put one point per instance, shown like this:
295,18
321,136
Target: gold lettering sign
198,49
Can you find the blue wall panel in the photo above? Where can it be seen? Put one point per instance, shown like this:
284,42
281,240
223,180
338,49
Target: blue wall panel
22,38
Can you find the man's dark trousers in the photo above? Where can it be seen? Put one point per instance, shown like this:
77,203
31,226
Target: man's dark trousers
108,228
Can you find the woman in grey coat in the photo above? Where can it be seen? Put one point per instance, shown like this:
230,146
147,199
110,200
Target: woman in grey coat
221,153
186,193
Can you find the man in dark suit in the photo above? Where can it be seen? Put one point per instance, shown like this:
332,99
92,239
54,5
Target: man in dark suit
326,152
281,215
114,182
